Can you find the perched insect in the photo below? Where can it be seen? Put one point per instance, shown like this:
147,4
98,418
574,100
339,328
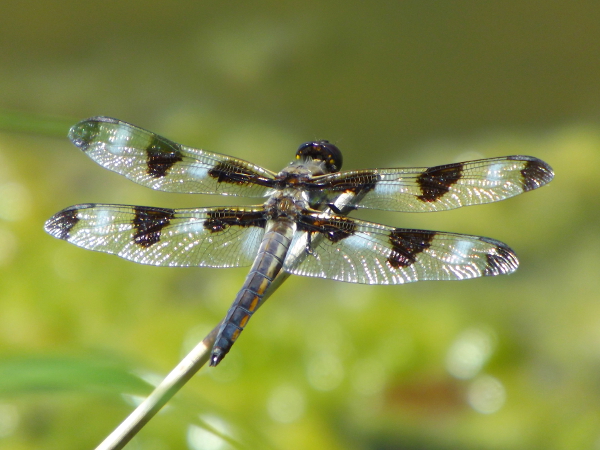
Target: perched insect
301,228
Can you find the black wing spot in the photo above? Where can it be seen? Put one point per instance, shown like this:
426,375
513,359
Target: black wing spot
355,183
536,173
220,219
501,260
61,224
406,245
435,182
334,229
162,155
149,223
232,172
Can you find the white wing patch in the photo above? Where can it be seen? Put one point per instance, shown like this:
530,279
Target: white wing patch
119,141
197,172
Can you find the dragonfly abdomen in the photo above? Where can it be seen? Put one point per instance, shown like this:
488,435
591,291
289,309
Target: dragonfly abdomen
265,268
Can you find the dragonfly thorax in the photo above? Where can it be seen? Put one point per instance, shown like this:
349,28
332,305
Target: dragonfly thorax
286,203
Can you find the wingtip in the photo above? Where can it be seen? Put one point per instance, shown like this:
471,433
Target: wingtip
502,260
536,172
83,132
61,223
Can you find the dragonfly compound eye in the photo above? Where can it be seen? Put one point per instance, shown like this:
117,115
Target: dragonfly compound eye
322,151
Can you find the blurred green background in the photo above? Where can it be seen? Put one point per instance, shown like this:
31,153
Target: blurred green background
510,362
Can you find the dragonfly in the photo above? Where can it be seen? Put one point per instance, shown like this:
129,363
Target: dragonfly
302,228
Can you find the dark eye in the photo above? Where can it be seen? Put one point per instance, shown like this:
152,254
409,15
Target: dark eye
322,151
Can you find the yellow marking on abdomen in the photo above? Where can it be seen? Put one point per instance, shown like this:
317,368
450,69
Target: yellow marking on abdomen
244,321
254,303
263,286
235,335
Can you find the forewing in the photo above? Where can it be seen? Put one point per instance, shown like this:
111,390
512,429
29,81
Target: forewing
439,188
208,237
156,162
356,251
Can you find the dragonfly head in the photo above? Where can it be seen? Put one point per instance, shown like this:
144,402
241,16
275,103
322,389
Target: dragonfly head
322,151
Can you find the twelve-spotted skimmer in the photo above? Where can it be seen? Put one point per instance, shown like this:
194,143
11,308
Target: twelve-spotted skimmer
302,227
